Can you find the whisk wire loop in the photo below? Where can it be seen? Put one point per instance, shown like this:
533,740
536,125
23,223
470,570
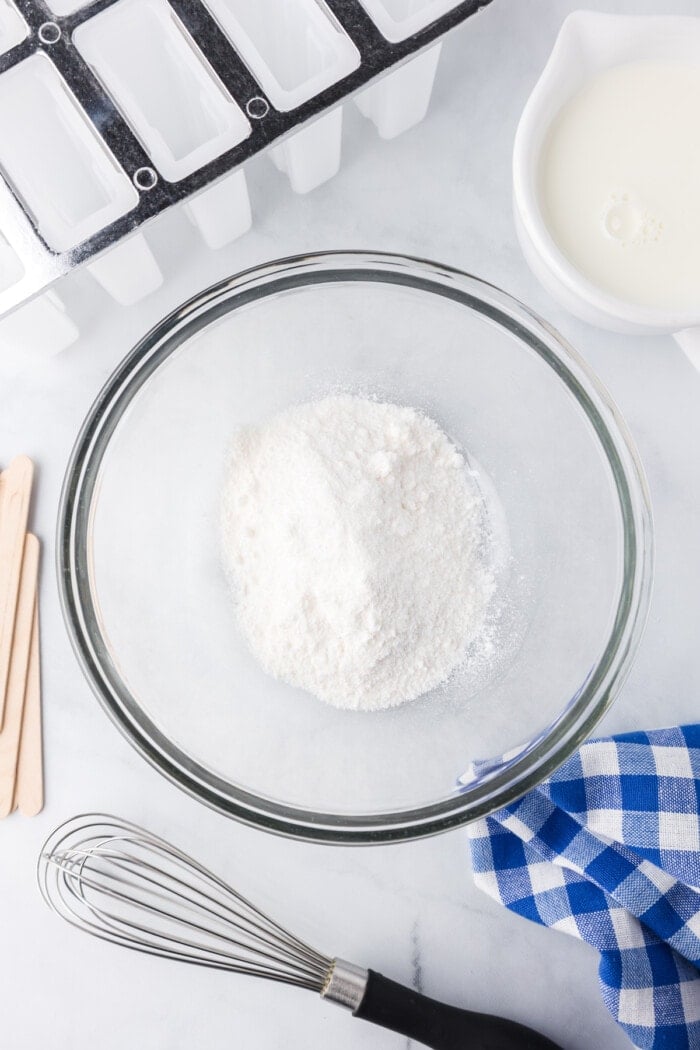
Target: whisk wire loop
212,907
122,884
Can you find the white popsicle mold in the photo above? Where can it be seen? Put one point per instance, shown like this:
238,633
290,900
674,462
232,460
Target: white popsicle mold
54,158
38,330
67,7
13,28
400,100
165,88
11,269
311,156
184,116
222,212
294,48
128,271
399,19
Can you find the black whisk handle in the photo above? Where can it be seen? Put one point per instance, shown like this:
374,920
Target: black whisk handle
440,1026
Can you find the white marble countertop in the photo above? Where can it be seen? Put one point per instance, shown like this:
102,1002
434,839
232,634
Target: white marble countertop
441,191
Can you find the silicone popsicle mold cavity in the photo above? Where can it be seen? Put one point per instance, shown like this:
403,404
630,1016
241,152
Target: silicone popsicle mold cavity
54,158
398,19
13,28
160,80
295,48
67,7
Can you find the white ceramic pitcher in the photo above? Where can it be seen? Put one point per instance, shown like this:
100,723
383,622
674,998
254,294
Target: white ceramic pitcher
588,43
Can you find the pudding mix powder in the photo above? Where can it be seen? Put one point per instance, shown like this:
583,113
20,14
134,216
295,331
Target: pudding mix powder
353,535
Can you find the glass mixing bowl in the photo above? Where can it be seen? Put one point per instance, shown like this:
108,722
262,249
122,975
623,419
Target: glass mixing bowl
149,609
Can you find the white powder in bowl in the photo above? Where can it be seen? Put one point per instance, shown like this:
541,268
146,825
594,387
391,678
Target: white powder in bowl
353,536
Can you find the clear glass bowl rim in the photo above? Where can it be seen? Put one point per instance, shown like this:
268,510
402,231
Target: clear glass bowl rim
516,776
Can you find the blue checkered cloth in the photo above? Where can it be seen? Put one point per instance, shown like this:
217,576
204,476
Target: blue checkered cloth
608,850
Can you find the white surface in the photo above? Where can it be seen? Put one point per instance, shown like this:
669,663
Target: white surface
443,190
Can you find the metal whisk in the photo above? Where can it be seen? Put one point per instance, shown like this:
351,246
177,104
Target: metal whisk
123,884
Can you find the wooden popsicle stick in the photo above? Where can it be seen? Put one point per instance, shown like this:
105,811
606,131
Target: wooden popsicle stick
17,680
15,492
29,783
